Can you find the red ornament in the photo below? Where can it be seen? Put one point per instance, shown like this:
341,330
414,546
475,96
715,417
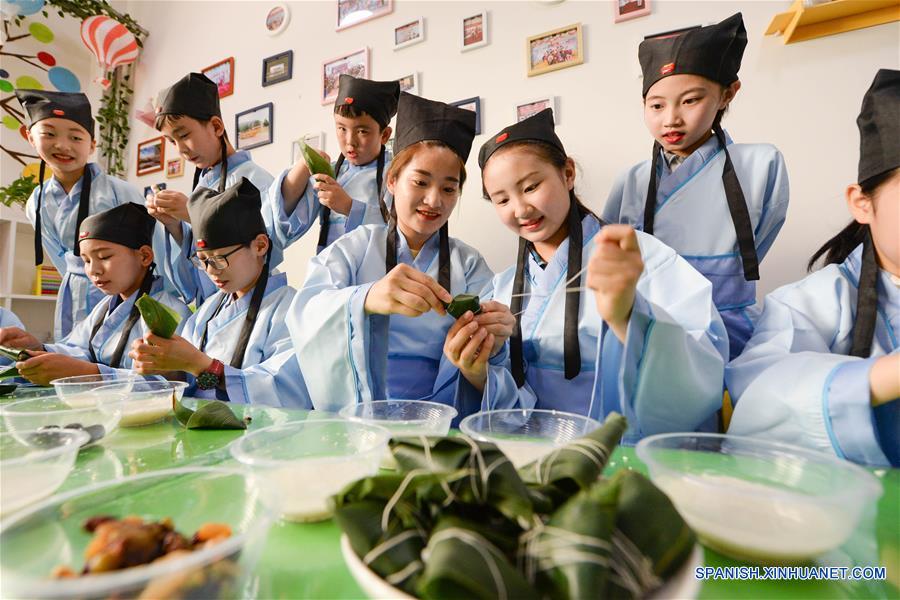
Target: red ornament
46,58
58,112
84,234
348,100
667,68
201,243
501,137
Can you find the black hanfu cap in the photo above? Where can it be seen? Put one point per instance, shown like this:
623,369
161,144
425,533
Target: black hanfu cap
378,99
40,105
536,128
713,52
194,95
879,126
420,119
221,219
128,224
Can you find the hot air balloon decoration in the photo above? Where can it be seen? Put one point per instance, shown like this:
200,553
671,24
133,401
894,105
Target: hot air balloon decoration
111,43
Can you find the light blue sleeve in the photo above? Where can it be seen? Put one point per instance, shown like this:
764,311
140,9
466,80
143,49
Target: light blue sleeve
9,319
671,371
286,229
612,210
775,205
54,249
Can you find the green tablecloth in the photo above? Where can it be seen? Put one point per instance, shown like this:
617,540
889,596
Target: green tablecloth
304,561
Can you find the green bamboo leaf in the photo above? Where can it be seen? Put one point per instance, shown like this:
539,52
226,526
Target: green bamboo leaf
10,372
214,415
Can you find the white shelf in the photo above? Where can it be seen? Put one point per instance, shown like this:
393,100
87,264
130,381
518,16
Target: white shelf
15,214
27,297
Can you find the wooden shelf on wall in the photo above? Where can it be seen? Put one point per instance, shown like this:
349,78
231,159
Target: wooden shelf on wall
801,22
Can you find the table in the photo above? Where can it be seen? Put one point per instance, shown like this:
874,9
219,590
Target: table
304,560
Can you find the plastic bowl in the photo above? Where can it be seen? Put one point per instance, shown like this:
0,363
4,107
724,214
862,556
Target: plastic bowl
76,391
38,540
144,402
302,464
403,417
34,465
758,500
99,418
525,436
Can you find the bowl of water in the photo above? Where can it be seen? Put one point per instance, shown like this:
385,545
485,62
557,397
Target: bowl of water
76,391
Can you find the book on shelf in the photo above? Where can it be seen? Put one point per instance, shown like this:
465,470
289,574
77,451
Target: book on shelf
46,281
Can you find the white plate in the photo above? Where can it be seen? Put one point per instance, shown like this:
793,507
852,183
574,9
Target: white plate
682,585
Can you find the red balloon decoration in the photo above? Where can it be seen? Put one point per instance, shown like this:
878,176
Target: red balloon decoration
111,43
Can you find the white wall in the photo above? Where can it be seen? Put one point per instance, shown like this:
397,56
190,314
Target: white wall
803,97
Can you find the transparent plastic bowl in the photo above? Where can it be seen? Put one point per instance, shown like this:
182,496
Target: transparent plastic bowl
38,540
144,402
527,435
76,391
99,418
758,500
34,465
302,464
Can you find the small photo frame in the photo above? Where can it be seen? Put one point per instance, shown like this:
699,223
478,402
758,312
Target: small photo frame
553,50
278,68
410,83
532,107
316,140
151,155
174,168
223,74
254,127
473,104
355,64
409,33
354,12
630,9
475,31
277,19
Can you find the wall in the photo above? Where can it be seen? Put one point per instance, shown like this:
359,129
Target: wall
803,98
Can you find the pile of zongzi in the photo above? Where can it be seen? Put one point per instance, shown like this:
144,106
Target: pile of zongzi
457,520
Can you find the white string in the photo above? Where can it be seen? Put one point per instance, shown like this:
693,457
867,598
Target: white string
481,545
385,516
386,545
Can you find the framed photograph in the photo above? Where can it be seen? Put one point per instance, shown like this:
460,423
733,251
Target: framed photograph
409,33
277,19
475,31
151,154
355,64
354,12
174,168
254,127
410,83
223,74
554,50
630,9
671,33
533,107
316,140
278,68
473,104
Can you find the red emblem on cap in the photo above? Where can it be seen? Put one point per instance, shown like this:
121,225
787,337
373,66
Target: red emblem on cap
58,112
501,137
201,243
348,100
84,234
667,68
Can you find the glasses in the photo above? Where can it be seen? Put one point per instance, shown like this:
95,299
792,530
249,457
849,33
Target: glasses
217,262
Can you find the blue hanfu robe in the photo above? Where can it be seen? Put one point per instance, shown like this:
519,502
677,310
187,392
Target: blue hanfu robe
269,374
114,312
692,217
349,356
9,319
666,377
795,382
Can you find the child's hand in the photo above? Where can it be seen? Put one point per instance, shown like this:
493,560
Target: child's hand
613,273
14,337
884,379
498,320
468,346
160,214
331,194
44,367
172,204
154,354
406,291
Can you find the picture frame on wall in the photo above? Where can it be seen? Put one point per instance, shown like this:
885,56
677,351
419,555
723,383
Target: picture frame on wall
473,104
315,140
277,19
355,64
174,168
532,107
410,83
254,127
354,12
556,49
278,68
625,10
409,33
151,156
474,31
222,73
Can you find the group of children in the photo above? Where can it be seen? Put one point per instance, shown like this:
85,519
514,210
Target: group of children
648,309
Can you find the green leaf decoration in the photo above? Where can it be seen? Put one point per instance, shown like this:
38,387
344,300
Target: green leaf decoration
210,414
315,162
461,303
162,320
